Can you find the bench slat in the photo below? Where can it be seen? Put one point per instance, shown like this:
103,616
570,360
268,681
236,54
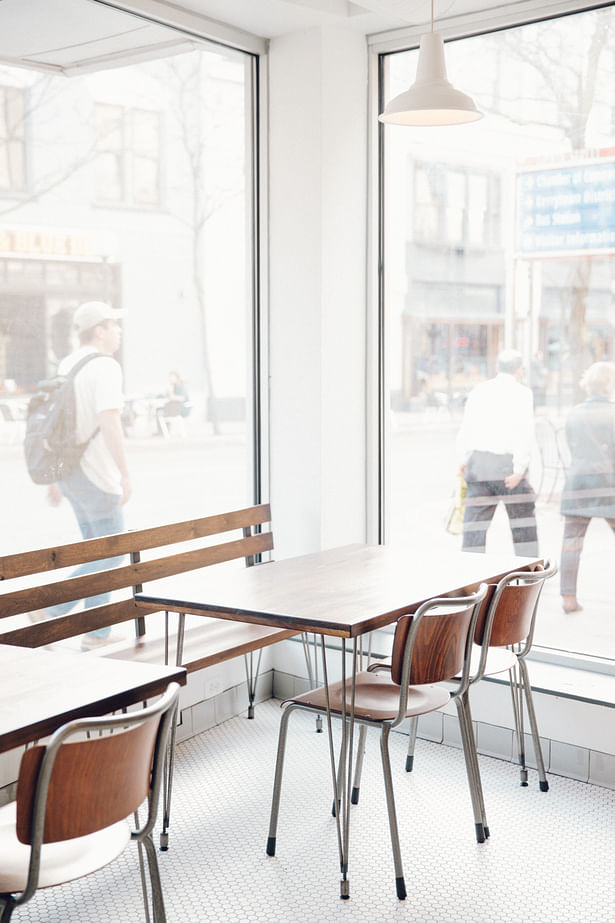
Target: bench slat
47,631
93,549
76,588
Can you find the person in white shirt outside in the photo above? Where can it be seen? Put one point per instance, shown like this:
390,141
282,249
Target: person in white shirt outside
100,485
494,446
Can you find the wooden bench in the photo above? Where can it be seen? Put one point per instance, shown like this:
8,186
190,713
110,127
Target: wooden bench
33,581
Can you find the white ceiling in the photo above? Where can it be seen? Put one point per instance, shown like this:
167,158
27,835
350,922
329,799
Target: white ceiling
72,35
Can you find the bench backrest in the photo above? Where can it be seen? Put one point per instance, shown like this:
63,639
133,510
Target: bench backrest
32,572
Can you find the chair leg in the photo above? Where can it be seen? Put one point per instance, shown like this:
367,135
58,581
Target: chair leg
414,723
167,787
7,909
517,704
529,701
354,797
388,787
277,782
472,767
159,915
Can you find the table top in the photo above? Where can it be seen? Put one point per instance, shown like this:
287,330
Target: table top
343,591
42,689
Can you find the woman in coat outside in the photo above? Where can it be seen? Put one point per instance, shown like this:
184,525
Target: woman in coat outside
589,489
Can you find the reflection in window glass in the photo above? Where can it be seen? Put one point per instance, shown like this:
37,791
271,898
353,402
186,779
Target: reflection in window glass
508,231
106,151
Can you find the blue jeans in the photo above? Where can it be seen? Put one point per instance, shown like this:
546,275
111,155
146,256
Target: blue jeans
98,513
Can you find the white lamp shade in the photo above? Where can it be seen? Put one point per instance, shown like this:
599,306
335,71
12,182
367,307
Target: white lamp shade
431,100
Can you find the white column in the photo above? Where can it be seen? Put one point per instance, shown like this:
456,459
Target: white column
317,185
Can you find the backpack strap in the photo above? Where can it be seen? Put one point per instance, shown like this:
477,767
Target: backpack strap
83,361
71,375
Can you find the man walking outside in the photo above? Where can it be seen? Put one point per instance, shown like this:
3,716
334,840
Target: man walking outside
99,486
494,446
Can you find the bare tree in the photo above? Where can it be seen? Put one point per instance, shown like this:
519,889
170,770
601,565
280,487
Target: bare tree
184,81
566,64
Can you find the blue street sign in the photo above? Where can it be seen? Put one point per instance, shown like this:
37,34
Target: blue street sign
568,209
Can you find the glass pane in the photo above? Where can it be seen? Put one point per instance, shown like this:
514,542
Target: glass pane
108,124
145,132
501,234
182,279
109,179
145,180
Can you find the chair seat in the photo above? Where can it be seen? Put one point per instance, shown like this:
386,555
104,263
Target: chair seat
499,660
60,862
376,698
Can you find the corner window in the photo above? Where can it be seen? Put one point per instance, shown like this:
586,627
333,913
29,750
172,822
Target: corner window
501,234
183,276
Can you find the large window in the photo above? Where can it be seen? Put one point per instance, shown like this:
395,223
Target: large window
500,234
141,194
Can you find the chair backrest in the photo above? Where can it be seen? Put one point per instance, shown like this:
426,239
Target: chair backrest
436,639
512,618
508,612
71,789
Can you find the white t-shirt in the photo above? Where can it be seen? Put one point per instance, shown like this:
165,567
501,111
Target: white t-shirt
98,387
498,417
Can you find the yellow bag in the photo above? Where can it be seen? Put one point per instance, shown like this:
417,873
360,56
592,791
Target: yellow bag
454,520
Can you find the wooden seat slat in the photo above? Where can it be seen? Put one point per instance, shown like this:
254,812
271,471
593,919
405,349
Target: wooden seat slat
204,645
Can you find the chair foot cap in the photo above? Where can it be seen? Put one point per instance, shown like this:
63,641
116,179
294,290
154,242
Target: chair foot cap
480,833
544,786
487,834
271,846
409,762
354,798
164,842
400,884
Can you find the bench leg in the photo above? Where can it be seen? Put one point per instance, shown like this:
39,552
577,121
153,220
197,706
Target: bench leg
252,678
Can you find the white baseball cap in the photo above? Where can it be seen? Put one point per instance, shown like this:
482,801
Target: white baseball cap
92,313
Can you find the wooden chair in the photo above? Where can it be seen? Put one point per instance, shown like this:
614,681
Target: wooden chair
74,799
430,646
503,639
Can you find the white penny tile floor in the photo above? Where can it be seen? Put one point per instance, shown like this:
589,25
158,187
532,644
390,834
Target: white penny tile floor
550,858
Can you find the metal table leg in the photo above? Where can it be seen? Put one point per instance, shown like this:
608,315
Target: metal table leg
342,793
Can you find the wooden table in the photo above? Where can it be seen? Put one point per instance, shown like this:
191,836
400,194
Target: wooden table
346,592
42,690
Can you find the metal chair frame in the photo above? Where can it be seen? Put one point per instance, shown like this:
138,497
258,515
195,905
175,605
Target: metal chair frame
511,659
386,725
166,708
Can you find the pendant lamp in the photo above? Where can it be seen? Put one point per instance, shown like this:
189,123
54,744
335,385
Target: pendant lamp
431,100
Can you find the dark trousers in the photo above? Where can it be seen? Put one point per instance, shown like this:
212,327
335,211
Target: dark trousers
482,498
575,528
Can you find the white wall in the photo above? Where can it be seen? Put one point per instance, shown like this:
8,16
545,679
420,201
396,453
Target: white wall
317,182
